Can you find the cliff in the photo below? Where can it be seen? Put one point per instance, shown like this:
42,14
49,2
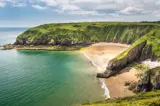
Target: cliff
147,47
84,33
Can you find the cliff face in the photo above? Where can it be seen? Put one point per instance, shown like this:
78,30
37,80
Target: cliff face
147,47
132,55
150,80
82,33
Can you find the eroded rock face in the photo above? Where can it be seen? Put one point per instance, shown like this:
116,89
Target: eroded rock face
146,53
21,42
149,81
133,55
140,52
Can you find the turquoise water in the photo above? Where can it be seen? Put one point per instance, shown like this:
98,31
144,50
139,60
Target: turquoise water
47,78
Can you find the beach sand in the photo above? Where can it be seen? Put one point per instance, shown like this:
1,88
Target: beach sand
100,54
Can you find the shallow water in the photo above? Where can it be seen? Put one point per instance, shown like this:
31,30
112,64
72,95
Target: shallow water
46,78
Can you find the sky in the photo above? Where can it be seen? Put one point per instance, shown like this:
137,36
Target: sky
29,13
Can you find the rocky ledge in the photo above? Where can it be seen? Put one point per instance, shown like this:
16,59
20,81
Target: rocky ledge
8,47
149,81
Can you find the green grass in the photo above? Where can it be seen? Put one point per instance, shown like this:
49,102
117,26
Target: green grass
142,99
86,32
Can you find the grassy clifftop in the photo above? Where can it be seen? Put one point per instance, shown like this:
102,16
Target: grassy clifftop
142,99
84,33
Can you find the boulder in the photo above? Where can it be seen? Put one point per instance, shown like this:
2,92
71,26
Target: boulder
127,83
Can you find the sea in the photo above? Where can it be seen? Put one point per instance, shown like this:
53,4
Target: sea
45,78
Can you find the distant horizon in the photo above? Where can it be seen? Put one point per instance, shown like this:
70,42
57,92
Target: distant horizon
73,22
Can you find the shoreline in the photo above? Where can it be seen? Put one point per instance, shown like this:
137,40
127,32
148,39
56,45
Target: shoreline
103,86
99,68
99,54
42,47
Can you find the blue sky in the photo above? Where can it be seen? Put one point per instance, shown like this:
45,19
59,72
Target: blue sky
28,13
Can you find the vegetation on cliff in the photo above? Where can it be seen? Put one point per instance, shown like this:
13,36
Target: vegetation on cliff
84,33
147,47
142,99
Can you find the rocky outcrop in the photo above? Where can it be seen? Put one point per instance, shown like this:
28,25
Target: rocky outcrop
8,47
115,65
140,52
132,55
107,74
21,41
146,53
150,80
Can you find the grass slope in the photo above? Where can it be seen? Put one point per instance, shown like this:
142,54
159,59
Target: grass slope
142,99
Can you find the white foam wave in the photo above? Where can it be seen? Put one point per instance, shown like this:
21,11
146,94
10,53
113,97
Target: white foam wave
106,90
151,64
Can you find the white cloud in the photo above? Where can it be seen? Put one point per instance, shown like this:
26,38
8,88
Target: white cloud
131,10
157,13
84,12
19,5
69,7
39,7
113,8
2,4
49,2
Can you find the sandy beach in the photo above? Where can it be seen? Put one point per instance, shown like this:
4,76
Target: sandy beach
100,54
